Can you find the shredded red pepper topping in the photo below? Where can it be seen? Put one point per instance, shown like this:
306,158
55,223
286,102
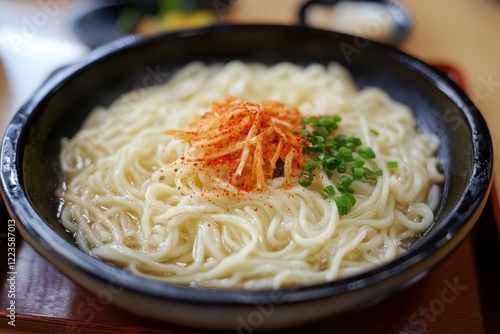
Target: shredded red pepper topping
246,143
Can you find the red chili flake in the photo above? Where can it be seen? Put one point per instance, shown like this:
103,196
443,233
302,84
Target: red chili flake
242,141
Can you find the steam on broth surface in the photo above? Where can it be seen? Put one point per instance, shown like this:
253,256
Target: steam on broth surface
249,176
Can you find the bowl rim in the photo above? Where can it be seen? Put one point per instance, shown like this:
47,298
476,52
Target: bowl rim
44,239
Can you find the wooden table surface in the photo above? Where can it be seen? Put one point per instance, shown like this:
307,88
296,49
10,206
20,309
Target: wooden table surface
36,38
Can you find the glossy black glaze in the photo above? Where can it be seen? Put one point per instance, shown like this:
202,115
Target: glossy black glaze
29,165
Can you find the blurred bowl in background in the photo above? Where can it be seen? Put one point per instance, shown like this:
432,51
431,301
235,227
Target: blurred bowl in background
379,20
115,19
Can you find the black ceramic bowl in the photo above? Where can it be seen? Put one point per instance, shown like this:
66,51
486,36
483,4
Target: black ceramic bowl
31,144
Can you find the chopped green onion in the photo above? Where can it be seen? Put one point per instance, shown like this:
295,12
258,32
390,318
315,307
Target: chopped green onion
323,131
345,154
310,165
335,154
305,182
331,162
374,132
342,168
358,172
392,164
359,162
345,203
328,191
366,152
344,185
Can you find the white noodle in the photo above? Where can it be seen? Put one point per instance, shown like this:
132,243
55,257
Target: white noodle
128,200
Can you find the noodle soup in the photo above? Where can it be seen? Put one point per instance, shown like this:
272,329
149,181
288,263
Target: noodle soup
250,176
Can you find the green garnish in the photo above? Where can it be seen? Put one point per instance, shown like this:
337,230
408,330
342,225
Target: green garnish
359,162
392,164
345,203
335,154
374,132
359,172
344,186
329,191
366,152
